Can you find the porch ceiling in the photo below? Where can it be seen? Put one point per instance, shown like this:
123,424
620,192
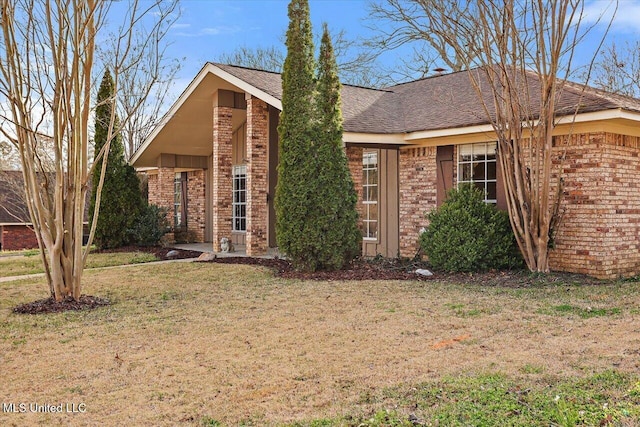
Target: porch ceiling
189,131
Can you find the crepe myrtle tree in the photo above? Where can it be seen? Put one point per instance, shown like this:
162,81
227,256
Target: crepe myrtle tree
519,53
48,65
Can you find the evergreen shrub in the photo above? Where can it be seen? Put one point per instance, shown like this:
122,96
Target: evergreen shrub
150,226
465,234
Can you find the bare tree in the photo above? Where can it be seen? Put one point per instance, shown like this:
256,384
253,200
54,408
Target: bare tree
260,58
618,69
415,23
47,66
519,54
148,80
9,159
356,64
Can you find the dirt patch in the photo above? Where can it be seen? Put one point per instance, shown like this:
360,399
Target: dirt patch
50,305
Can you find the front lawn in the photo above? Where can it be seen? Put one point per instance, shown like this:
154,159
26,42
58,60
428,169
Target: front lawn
219,344
31,262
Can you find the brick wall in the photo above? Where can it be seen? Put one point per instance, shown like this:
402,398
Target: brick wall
417,176
222,174
600,227
161,194
354,159
16,237
196,200
257,185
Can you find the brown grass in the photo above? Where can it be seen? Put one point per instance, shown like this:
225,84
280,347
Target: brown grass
186,341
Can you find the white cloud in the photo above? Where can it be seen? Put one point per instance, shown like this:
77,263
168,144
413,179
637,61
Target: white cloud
210,31
180,26
626,16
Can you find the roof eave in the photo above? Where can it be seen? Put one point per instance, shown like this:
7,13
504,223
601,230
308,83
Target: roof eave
208,68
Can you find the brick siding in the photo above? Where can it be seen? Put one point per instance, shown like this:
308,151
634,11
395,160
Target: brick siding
161,194
196,200
417,181
354,159
257,174
16,237
599,233
600,226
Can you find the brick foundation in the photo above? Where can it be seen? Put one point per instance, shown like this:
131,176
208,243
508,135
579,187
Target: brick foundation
17,237
257,174
222,174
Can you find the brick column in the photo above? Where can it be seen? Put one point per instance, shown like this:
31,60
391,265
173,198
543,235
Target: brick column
196,205
222,174
257,185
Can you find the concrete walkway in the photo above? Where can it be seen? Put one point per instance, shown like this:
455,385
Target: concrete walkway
239,250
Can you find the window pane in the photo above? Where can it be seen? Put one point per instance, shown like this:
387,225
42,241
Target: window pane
373,212
372,193
373,230
465,172
491,191
491,170
478,172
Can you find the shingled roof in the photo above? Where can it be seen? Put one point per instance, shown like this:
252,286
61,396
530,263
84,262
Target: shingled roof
438,102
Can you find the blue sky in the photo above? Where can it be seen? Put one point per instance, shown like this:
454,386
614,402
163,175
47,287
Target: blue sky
208,28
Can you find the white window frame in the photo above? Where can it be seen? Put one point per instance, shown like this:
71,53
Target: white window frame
239,200
370,164
177,200
480,155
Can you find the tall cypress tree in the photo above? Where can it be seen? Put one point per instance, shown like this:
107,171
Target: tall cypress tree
121,200
316,219
338,217
297,163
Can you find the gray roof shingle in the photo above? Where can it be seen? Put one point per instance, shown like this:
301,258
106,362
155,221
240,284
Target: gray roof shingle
433,103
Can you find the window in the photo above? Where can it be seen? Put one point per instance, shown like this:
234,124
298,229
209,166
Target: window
239,204
477,164
370,196
180,200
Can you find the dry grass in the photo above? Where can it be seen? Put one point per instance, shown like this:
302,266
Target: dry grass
20,265
185,342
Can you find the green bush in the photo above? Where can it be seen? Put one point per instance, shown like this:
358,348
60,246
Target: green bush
150,226
466,234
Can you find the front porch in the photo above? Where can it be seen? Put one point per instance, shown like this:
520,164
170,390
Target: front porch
226,191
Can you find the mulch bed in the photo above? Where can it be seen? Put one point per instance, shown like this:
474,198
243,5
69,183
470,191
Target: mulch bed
393,269
50,305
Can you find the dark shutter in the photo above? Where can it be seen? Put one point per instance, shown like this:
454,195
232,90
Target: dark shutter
444,174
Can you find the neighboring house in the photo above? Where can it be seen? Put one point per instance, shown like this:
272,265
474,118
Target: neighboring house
16,231
212,161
